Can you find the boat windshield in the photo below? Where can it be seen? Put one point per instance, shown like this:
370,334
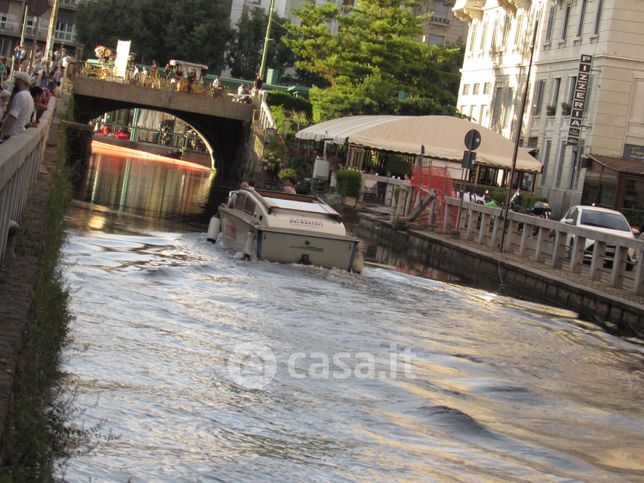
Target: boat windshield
301,206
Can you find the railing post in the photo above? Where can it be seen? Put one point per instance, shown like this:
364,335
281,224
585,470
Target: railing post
485,221
523,247
557,250
540,249
470,224
509,238
619,265
496,230
638,281
597,262
577,254
446,223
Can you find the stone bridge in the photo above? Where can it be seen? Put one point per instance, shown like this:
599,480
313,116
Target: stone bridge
223,123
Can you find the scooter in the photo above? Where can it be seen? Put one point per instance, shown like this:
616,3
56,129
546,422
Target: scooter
541,209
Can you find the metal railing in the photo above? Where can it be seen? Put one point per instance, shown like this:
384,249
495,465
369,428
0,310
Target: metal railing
158,81
265,116
545,241
20,158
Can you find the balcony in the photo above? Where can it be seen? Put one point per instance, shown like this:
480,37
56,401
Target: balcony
468,10
69,4
511,6
439,20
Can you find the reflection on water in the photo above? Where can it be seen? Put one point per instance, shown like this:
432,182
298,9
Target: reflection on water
147,187
499,389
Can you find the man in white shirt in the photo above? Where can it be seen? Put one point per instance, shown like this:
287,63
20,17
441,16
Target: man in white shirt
21,108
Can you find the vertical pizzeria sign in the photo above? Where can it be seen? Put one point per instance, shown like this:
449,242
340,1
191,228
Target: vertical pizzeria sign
579,99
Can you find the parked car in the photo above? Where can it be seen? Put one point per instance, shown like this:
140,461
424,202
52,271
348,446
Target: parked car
602,220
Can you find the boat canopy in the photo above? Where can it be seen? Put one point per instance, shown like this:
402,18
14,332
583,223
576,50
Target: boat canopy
441,137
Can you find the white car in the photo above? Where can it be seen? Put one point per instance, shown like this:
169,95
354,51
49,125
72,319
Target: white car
602,220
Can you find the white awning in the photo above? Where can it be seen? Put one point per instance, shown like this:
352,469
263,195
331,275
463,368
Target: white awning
338,130
441,136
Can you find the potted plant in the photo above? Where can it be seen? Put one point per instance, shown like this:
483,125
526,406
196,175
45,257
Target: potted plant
349,185
270,166
565,108
551,110
287,174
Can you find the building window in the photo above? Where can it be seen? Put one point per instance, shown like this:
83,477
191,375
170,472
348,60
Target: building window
497,105
3,21
506,32
435,39
487,88
545,160
551,23
564,30
582,17
462,109
471,112
571,89
483,35
598,18
637,109
555,94
466,89
31,25
509,100
64,31
560,165
538,98
475,89
495,28
517,32
481,118
473,37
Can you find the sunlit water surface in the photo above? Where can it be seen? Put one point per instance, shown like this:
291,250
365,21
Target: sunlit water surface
496,389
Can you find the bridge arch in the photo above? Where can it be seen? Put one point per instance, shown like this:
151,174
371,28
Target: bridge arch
145,127
222,123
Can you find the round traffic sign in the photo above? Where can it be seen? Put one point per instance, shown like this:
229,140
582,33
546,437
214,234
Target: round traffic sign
472,139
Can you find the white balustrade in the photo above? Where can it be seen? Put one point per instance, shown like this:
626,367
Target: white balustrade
20,158
545,241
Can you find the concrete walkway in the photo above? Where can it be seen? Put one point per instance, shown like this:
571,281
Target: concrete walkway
18,277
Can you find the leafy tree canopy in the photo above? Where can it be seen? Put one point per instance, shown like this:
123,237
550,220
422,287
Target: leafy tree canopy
245,49
370,60
190,30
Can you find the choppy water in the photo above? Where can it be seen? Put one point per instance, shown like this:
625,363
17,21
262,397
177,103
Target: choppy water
203,367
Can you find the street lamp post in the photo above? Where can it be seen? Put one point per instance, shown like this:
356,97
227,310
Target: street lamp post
49,46
267,38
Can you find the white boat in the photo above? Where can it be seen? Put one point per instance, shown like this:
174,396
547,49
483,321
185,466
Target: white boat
287,228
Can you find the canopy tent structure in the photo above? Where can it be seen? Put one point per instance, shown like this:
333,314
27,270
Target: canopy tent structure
441,136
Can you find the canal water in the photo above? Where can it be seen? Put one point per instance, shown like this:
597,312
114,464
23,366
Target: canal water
187,363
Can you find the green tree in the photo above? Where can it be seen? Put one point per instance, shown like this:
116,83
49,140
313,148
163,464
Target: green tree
244,52
370,60
191,30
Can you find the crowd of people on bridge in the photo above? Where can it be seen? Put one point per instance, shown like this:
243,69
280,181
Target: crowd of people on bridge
28,82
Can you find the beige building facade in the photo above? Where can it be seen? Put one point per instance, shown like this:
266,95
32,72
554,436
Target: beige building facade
443,27
11,21
603,161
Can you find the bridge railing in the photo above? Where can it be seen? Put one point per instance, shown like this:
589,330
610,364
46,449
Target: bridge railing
20,158
553,244
106,73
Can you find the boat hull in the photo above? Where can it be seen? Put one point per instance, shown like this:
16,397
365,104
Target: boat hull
286,246
306,248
